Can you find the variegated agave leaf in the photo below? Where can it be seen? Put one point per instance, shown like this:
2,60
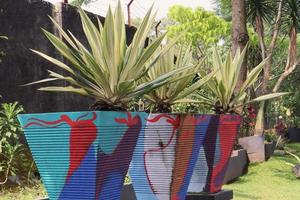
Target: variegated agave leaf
107,70
224,96
179,86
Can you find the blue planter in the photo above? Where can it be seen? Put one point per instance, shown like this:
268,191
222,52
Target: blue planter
83,155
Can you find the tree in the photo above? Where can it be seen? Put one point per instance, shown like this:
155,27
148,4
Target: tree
223,8
271,27
240,35
258,12
204,29
287,19
290,22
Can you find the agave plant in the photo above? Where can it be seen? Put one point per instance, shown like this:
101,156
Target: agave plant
177,90
108,70
225,98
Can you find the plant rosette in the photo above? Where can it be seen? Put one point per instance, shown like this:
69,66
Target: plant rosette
174,144
224,98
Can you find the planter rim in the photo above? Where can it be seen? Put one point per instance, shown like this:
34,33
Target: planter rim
99,111
224,119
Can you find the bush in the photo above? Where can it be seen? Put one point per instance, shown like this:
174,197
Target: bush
16,162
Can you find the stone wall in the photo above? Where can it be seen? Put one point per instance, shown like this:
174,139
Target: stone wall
21,22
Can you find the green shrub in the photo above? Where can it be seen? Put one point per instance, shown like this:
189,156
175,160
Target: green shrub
16,162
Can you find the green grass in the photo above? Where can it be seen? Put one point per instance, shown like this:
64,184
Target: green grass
272,180
23,193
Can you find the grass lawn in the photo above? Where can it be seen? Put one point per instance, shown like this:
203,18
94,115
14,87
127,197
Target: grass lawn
23,193
272,180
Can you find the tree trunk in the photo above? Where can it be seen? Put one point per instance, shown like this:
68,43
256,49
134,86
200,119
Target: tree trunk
271,47
259,125
292,62
240,36
259,25
293,47
260,120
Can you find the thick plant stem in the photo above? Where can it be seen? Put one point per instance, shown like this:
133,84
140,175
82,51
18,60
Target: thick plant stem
260,122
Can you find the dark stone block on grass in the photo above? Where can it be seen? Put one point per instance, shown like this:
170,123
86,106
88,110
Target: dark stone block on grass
294,134
238,166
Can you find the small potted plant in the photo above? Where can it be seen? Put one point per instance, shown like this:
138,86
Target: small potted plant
86,155
228,102
270,143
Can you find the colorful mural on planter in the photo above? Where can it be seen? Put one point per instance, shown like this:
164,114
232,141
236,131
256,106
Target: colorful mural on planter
165,155
86,155
214,155
83,155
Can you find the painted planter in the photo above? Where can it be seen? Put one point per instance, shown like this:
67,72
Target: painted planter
166,154
170,148
214,155
83,155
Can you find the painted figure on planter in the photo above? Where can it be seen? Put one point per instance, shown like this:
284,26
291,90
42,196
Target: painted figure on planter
166,154
90,159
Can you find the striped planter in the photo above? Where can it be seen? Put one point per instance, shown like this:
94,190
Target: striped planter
86,155
83,155
175,148
166,154
215,153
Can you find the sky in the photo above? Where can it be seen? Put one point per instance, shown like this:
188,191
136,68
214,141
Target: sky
139,7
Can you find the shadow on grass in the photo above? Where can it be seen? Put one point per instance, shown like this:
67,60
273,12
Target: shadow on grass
285,172
239,180
246,196
288,175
